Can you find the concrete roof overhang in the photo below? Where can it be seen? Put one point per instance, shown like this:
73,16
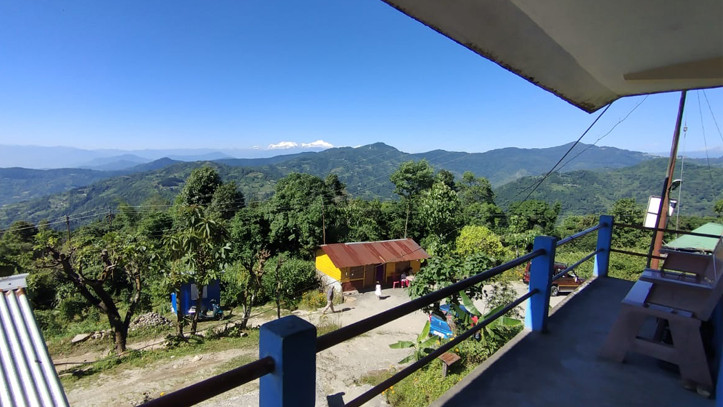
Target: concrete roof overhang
587,52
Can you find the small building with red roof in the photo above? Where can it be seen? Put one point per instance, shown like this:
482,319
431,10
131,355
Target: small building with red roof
359,265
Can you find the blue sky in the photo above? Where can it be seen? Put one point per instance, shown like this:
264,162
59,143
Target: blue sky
245,74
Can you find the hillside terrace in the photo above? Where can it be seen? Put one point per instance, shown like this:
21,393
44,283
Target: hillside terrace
554,361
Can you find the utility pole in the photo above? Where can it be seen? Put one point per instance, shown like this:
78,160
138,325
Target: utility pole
665,198
406,221
323,220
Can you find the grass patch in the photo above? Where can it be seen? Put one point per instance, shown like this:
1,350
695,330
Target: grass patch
327,324
375,377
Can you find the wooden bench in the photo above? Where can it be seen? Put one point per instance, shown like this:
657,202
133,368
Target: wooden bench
448,359
682,295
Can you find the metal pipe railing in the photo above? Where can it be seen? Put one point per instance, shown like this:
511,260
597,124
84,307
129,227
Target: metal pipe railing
215,385
342,334
369,394
578,235
579,262
681,232
636,254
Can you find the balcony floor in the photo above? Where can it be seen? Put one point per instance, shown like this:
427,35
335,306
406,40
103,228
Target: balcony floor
562,368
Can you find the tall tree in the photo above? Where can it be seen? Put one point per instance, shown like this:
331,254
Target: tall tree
96,268
439,210
16,248
628,211
204,249
533,215
479,239
200,187
296,214
410,179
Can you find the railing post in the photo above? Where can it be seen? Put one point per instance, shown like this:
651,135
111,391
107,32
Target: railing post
540,279
604,239
291,342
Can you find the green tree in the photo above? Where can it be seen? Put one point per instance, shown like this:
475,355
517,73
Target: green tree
203,248
478,202
364,220
444,270
200,187
287,279
439,211
16,248
718,208
533,215
473,239
244,285
296,214
226,201
474,189
447,178
411,178
99,268
628,211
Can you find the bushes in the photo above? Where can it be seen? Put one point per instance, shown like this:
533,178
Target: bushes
312,300
292,279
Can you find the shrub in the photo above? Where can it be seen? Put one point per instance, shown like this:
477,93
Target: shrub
314,299
295,277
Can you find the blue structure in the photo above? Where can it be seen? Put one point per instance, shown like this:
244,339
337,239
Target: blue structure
189,293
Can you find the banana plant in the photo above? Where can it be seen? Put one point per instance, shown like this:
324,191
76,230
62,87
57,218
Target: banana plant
492,329
422,346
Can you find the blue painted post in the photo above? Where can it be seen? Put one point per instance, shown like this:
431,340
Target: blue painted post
604,238
291,342
540,279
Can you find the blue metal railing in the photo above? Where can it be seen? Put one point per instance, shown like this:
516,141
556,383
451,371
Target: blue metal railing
288,346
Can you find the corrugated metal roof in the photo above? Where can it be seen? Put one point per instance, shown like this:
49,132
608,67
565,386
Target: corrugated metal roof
364,253
699,243
27,375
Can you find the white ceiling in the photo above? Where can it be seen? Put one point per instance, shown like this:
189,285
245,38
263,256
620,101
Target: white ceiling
588,52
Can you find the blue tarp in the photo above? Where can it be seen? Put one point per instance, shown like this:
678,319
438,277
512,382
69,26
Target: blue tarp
189,293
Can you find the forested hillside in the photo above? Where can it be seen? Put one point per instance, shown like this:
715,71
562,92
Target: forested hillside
49,194
586,192
365,171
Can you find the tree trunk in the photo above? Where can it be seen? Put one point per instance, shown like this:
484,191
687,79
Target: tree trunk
179,315
247,311
194,321
120,331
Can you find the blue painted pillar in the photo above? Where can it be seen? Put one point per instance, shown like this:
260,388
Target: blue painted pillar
291,342
540,279
604,239
717,320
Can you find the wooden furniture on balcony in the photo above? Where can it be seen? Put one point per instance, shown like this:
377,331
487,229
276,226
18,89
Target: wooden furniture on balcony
682,294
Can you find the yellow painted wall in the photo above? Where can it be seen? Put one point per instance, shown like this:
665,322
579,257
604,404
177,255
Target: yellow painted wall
416,264
324,264
388,270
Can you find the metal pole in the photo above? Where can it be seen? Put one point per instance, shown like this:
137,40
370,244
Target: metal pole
540,278
663,214
604,238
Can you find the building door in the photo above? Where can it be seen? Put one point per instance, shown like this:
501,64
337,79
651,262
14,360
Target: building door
380,274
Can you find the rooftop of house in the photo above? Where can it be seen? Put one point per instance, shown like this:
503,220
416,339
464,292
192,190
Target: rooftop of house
364,253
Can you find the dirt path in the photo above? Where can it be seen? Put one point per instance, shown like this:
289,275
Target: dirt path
339,368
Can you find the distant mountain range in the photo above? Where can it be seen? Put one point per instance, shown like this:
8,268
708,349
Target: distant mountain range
51,194
41,157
